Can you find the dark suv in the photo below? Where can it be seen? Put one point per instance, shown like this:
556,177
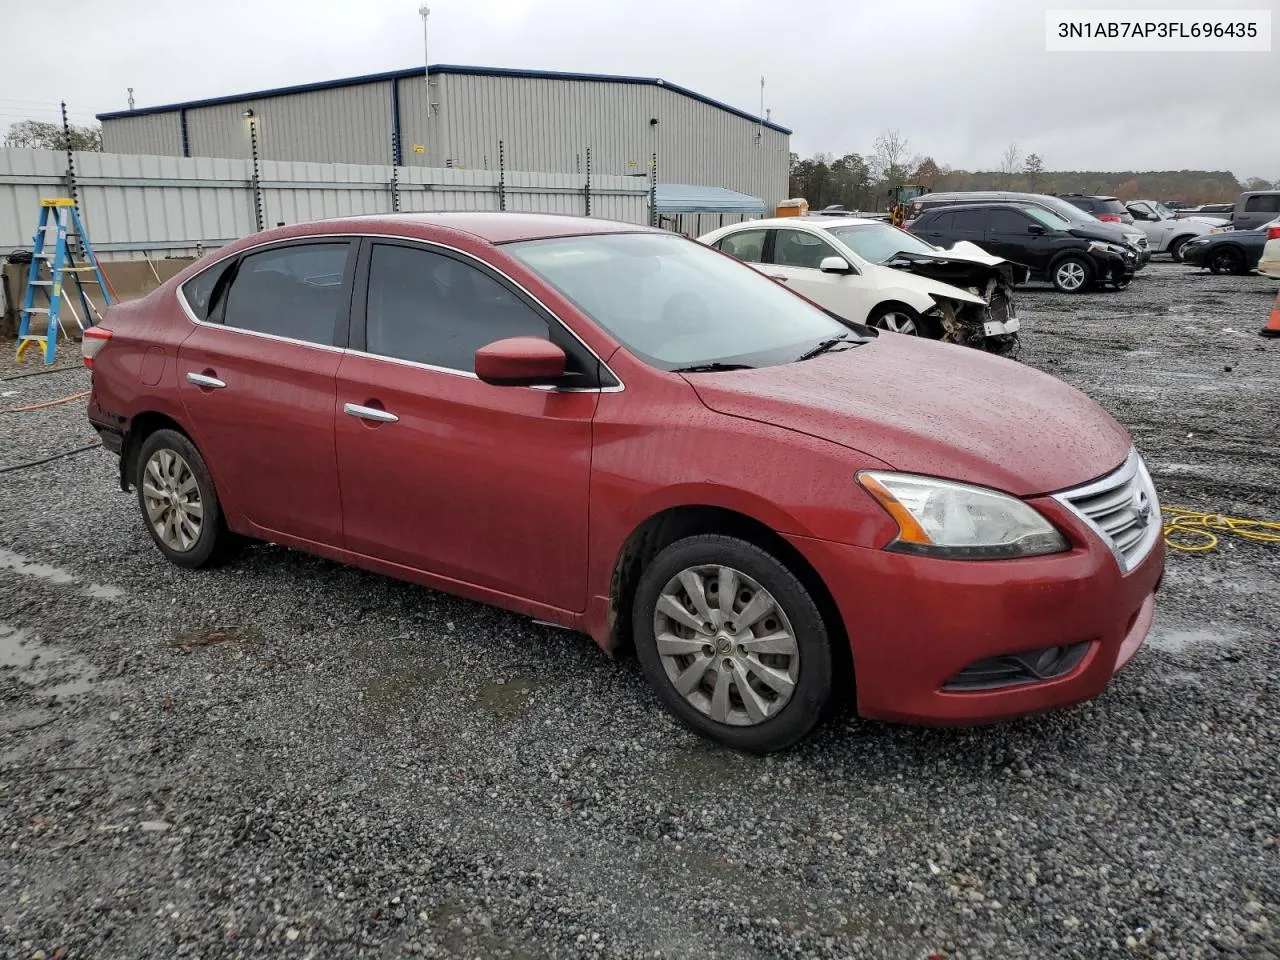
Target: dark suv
1116,232
1106,209
1072,257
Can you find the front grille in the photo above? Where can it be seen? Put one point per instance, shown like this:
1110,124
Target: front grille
1014,669
1122,509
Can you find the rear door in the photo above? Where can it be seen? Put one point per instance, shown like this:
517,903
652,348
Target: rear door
747,245
795,259
1257,209
257,380
970,225
440,472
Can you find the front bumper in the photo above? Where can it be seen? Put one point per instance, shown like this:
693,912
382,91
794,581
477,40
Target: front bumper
1113,267
915,623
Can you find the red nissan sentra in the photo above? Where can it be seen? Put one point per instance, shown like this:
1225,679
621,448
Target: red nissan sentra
627,433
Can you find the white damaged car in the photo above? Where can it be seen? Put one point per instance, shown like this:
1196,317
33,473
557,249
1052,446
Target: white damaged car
870,272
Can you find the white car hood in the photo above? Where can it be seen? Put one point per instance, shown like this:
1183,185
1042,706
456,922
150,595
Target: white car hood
889,277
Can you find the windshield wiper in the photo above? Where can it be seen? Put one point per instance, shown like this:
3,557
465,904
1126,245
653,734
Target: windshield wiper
823,347
712,367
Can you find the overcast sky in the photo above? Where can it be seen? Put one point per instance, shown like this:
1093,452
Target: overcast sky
960,78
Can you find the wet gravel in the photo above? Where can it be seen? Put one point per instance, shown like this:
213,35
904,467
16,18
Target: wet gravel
288,758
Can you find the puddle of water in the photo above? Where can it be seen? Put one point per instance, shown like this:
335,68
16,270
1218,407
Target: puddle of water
508,699
37,663
1180,641
29,568
101,591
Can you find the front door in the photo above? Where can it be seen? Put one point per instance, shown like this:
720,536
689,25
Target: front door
257,380
1018,237
443,473
796,259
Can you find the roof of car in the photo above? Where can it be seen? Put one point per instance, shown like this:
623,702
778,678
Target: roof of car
821,222
498,227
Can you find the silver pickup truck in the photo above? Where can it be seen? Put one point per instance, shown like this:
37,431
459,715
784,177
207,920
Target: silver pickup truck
1167,233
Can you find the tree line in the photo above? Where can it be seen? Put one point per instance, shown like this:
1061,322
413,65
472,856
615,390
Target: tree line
41,135
863,182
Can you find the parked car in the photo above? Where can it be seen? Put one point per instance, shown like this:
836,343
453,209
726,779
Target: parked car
1234,251
1116,232
1254,208
1223,210
624,432
1106,209
1167,233
1269,263
870,272
1073,258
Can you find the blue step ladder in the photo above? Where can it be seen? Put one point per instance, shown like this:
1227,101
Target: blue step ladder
47,273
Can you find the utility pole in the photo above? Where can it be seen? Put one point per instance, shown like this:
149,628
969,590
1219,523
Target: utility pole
131,98
424,11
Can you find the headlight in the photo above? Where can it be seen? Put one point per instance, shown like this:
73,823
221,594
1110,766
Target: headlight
939,518
1135,238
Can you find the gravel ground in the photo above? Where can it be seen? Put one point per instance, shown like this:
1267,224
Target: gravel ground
288,758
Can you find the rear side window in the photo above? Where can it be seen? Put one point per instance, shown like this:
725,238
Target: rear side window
430,308
747,246
199,290
969,221
1113,207
298,292
1265,203
942,222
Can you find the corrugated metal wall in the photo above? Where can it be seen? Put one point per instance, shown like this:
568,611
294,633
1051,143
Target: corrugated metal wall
545,124
133,205
156,134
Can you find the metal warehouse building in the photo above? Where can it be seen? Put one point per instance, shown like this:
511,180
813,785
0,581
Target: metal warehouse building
545,121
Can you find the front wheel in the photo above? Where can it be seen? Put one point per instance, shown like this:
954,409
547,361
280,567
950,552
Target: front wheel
1175,248
1227,260
896,318
1072,275
732,643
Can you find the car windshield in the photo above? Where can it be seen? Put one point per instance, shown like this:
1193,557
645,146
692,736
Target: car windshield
1164,212
879,242
676,303
1112,207
1047,217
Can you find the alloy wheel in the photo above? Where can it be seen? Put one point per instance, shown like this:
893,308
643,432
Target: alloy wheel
1071,275
172,499
726,645
898,323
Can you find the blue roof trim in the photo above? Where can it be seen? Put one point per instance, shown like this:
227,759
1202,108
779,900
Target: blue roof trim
445,68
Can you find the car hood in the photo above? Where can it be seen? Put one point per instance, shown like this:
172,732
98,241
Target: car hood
1210,221
965,265
933,408
1091,232
884,276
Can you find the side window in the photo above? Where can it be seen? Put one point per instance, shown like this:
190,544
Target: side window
747,245
969,221
1265,203
199,290
942,223
296,291
431,308
795,248
1008,222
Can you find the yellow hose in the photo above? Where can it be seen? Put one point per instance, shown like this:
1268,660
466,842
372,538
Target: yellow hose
1193,531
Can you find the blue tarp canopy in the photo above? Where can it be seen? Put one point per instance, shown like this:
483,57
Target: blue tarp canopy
688,198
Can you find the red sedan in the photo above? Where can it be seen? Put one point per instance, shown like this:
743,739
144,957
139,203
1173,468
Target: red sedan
630,434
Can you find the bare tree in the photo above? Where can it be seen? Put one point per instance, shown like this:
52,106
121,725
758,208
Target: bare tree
41,135
1009,163
891,160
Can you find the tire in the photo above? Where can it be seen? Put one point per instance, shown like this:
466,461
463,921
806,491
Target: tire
178,503
1175,248
1226,260
775,715
1122,283
1072,275
899,318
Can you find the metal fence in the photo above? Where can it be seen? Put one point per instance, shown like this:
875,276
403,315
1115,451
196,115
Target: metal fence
136,206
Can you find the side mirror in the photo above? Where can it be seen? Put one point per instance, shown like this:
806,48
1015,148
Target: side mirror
520,362
835,265
1036,229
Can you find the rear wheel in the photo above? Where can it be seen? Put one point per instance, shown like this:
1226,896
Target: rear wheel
732,643
1227,260
1072,275
178,503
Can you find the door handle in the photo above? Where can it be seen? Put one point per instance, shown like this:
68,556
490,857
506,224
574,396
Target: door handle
777,276
203,380
369,413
